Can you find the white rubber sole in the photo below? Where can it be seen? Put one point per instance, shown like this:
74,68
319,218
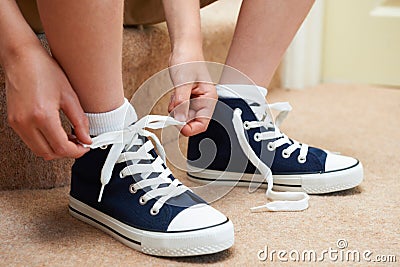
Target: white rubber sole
317,183
177,244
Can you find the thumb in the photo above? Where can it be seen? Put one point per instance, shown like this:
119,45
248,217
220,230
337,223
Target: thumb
72,108
181,102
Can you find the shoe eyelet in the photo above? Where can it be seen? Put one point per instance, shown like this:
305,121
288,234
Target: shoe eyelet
142,201
271,146
257,137
301,159
154,212
121,175
238,111
132,189
103,147
246,125
285,154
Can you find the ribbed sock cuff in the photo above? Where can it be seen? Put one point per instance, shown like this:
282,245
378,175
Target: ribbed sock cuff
240,90
114,120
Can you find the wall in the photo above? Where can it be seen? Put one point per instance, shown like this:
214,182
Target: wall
358,47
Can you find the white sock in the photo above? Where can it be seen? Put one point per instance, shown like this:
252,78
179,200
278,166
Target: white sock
250,93
114,120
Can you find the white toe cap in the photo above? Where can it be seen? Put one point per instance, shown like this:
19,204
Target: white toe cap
196,217
336,162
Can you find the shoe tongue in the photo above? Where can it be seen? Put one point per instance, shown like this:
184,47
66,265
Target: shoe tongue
130,116
253,95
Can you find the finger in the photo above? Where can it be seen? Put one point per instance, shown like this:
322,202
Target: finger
196,126
36,142
74,112
202,108
181,102
205,89
171,103
58,140
73,138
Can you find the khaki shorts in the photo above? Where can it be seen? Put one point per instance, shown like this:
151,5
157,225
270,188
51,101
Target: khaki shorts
137,12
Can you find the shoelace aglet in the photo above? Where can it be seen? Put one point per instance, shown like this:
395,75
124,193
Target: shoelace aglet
259,208
75,139
85,145
101,193
282,206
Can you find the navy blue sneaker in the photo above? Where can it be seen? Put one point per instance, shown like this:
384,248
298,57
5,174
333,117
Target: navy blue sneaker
125,189
242,145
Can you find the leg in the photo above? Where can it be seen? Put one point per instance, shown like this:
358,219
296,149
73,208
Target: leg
241,122
263,32
86,39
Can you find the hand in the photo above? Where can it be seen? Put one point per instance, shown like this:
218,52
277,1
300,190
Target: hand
37,89
194,98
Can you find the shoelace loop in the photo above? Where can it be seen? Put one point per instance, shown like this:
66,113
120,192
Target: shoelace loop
125,140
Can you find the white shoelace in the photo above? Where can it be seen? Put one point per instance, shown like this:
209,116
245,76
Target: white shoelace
280,201
122,141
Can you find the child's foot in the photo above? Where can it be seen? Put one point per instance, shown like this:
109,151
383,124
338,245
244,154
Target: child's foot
241,127
125,189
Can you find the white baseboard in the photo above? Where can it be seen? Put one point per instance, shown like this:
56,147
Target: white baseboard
302,62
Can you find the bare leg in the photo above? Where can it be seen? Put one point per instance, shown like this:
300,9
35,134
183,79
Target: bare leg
263,32
85,37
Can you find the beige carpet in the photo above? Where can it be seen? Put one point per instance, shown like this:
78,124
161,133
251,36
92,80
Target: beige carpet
363,121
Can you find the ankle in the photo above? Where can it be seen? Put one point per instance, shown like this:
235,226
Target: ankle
113,120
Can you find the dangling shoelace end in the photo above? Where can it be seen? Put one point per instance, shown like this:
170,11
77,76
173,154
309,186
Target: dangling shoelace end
101,193
279,201
298,202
